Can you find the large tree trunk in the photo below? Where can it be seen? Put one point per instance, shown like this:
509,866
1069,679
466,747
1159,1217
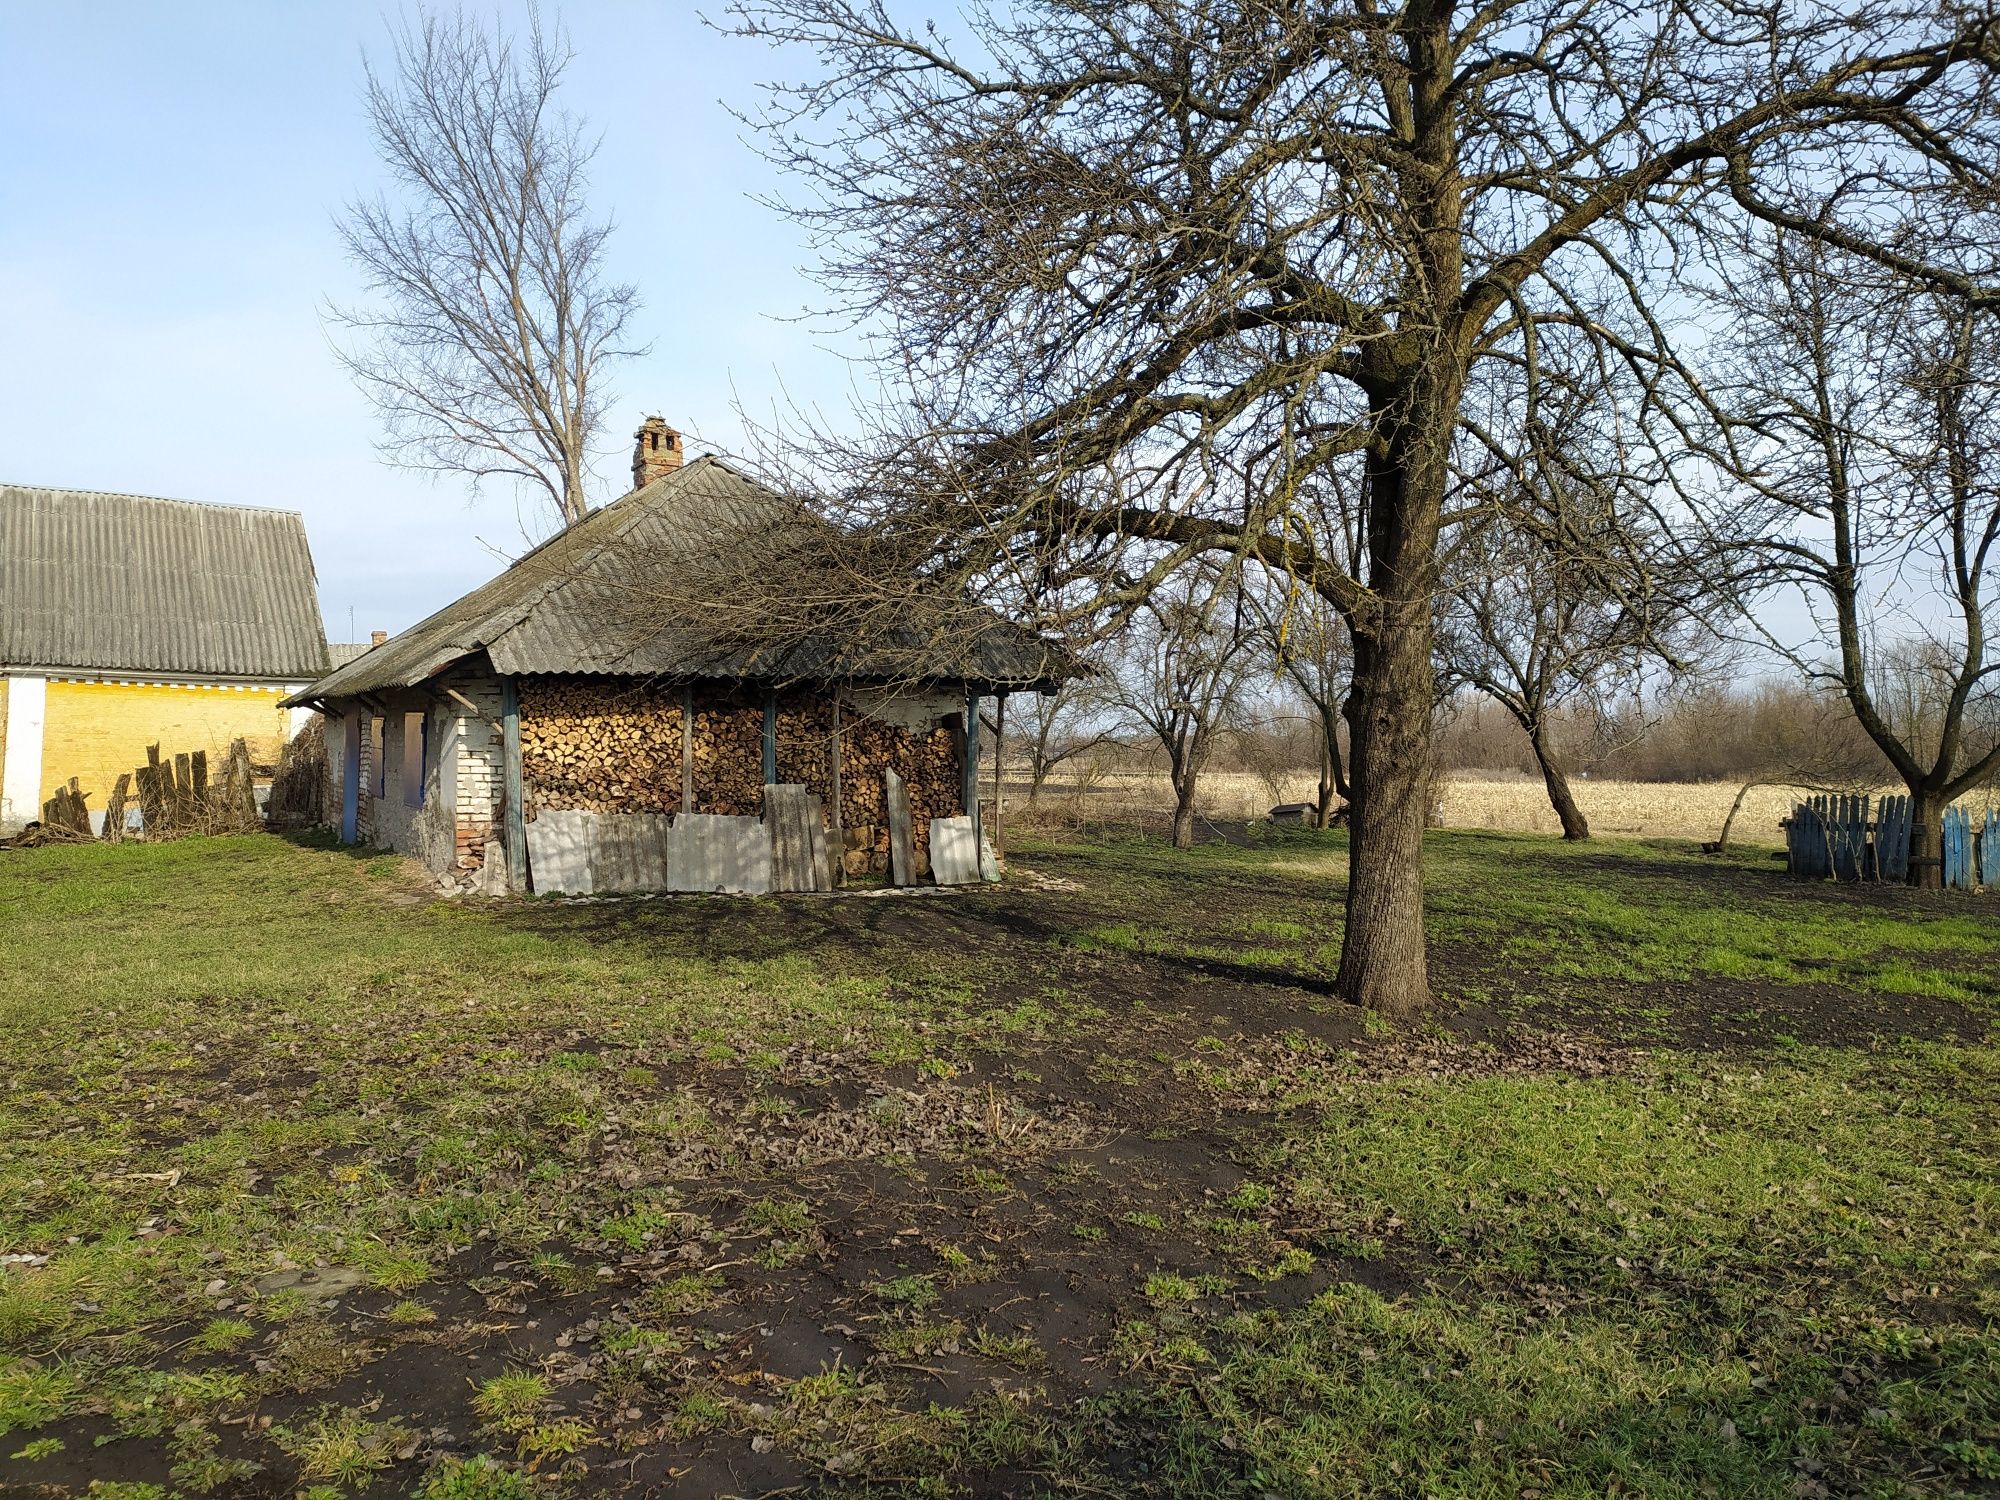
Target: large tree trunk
1382,962
1574,824
1382,949
1926,839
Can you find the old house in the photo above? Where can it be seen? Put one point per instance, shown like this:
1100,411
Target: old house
127,620
545,733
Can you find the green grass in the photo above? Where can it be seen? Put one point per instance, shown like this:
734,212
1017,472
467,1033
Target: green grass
230,1069
1701,1280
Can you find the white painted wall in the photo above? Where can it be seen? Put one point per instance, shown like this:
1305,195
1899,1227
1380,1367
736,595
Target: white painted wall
21,771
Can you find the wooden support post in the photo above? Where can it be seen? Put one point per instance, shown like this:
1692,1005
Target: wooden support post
198,764
687,749
838,821
516,838
902,854
770,739
999,758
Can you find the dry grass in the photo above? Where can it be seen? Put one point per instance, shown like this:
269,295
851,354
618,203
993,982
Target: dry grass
1629,809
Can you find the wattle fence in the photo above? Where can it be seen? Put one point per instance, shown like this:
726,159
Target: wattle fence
1836,838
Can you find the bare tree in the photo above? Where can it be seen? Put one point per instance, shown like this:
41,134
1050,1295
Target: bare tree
1309,641
1178,675
494,321
1057,727
1172,240
1875,399
1811,746
1564,589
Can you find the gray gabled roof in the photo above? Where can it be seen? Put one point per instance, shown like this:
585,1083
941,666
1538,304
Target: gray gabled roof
567,606
129,583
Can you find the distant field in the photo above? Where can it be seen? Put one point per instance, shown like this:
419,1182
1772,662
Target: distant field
1634,809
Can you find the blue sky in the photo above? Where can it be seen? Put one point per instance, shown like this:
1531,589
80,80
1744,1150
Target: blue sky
168,181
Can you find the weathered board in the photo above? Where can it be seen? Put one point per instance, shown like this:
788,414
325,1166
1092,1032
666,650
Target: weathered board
1892,839
798,839
628,851
1989,849
902,857
954,851
1806,855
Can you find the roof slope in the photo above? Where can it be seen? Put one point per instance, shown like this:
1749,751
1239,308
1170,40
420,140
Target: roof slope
568,606
129,583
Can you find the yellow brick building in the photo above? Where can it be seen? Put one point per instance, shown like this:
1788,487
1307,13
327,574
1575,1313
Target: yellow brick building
127,621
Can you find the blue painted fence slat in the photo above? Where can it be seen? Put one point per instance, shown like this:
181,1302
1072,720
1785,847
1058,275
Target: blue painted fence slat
1957,849
1989,849
1892,839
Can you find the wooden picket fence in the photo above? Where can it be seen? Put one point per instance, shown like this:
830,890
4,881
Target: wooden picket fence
174,797
1834,837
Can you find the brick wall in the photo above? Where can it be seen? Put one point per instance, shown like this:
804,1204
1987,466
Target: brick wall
479,775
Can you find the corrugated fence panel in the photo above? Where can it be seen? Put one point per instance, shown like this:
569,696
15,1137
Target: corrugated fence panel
712,852
559,853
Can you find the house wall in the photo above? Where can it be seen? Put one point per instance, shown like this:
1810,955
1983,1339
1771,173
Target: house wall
20,753
98,730
604,746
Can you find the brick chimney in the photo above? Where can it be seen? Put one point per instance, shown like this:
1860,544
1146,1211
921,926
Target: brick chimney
377,637
658,452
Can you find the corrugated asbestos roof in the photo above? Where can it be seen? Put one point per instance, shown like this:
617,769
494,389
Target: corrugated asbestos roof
566,607
128,583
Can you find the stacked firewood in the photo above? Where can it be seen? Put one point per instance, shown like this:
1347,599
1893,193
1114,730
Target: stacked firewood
926,760
805,744
728,756
594,747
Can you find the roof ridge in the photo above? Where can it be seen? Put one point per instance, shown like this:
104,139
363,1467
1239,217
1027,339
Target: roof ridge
58,489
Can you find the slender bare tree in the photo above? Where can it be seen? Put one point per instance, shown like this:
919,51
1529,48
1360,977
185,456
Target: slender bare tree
1875,400
1057,727
1274,238
1309,641
1178,674
493,319
1564,592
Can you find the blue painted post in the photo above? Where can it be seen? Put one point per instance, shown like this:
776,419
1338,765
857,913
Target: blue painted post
1989,849
350,777
510,765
